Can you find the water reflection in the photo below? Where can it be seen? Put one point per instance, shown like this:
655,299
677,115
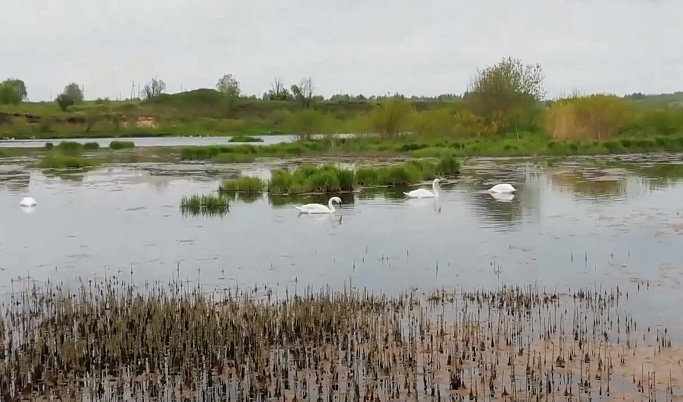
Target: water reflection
117,216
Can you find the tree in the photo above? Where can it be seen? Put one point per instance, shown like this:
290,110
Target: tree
390,117
303,92
507,94
64,101
229,86
74,92
153,89
278,90
12,90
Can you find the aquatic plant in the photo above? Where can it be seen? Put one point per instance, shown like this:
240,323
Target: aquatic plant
245,138
116,145
69,147
204,204
107,337
242,185
49,145
91,146
58,161
233,158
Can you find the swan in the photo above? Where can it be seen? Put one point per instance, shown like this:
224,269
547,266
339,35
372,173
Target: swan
502,188
422,193
319,208
504,197
27,202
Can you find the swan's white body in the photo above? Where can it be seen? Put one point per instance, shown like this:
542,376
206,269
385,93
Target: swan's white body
502,188
504,197
27,202
319,208
423,193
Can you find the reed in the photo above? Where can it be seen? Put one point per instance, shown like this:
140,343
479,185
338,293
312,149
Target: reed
59,161
108,337
249,185
91,146
205,204
245,138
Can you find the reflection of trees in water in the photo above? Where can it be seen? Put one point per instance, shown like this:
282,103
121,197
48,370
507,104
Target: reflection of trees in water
592,185
72,176
660,175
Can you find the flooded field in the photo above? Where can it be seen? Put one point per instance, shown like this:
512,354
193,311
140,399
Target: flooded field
598,223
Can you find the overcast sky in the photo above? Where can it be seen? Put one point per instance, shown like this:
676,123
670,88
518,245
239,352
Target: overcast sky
354,46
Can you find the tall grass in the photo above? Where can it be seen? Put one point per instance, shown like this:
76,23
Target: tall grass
204,204
116,145
58,161
243,185
245,138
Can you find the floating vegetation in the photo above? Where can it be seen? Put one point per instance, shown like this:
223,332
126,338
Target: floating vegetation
245,138
116,145
58,161
249,185
49,145
205,204
109,340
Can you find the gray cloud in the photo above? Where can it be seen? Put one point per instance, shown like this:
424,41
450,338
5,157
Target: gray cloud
356,46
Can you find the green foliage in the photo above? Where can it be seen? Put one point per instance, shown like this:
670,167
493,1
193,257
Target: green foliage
91,146
59,161
12,91
506,94
70,147
242,185
64,101
391,118
153,89
116,145
74,92
228,85
232,157
305,123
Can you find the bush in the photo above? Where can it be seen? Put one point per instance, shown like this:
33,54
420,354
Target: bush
91,146
55,161
70,147
242,185
116,145
245,138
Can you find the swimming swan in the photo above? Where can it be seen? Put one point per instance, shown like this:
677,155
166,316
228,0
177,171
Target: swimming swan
422,193
319,208
27,202
502,188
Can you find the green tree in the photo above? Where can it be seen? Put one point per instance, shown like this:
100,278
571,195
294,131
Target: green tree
64,101
278,91
74,92
229,86
305,123
391,117
506,94
12,90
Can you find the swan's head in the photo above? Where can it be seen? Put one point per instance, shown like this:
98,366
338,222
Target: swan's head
336,199
436,182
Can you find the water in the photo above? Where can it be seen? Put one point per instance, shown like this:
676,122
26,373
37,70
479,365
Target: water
154,141
573,222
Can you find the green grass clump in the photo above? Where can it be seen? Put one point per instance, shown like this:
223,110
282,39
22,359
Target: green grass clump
448,166
70,147
49,145
242,185
56,161
233,158
204,204
91,146
310,179
245,138
121,145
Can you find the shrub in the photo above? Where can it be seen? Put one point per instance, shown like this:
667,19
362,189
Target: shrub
121,145
243,185
91,146
56,161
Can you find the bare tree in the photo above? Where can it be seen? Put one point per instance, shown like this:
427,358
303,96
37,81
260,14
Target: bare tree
153,89
303,92
278,90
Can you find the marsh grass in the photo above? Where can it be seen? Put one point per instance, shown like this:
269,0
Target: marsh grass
233,158
69,147
91,146
108,337
249,185
60,161
205,204
117,145
245,138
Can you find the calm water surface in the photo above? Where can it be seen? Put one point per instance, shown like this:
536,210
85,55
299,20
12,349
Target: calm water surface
573,222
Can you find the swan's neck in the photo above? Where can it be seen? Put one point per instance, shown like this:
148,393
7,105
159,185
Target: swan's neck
435,188
330,205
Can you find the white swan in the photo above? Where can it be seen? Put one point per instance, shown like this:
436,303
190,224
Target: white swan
422,193
319,208
27,202
502,188
504,197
